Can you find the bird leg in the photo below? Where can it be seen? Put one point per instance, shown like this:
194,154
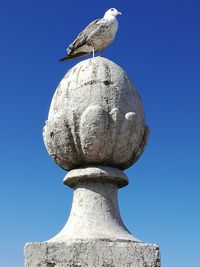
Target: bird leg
93,51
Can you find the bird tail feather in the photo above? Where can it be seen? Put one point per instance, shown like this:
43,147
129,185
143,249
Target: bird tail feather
69,57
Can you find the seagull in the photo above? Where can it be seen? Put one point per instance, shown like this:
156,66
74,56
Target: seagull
95,37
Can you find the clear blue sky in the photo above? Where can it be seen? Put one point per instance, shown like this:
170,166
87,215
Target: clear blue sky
158,44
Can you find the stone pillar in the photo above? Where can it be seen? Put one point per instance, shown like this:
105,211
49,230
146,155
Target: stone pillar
95,129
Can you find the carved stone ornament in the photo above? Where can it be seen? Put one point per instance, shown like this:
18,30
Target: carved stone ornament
96,117
95,130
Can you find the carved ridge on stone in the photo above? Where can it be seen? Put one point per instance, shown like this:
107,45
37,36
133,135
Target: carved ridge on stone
97,174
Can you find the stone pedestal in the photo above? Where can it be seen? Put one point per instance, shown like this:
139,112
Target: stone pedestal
95,130
90,253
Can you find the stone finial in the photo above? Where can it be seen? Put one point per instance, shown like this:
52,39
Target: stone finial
95,129
96,118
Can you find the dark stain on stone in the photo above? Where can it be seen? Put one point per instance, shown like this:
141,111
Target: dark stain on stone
77,75
108,72
50,264
107,82
90,82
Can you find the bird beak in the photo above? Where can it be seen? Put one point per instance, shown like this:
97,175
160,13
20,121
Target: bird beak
119,13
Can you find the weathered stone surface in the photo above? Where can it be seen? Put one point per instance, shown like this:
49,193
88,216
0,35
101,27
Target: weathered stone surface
95,129
96,117
94,234
92,253
96,173
95,213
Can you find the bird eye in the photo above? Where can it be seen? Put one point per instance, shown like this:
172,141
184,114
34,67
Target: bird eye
112,9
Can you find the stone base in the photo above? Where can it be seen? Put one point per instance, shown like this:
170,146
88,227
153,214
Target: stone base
90,253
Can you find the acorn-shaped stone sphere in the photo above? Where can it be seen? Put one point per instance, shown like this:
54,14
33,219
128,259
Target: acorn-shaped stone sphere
96,118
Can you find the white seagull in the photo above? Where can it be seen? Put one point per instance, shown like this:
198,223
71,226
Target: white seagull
95,37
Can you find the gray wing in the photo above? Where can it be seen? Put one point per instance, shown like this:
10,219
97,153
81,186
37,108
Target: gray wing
82,37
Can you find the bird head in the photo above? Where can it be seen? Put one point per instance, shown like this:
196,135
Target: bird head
112,12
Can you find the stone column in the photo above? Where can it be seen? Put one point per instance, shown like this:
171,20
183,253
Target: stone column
95,129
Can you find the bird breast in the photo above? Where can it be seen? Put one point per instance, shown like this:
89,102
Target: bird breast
105,35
